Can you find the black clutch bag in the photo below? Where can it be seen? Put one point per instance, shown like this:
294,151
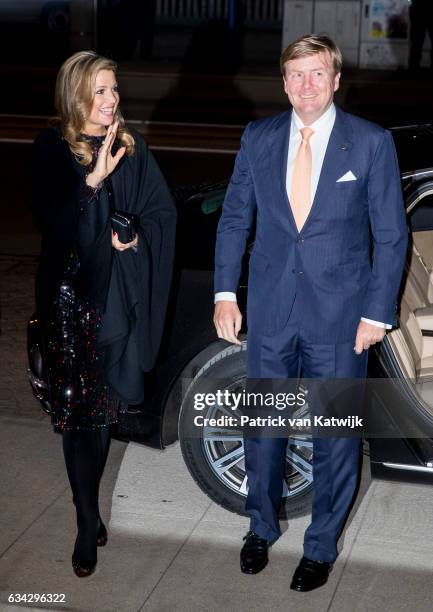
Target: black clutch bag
125,225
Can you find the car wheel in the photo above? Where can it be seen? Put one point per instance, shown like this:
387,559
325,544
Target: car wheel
215,455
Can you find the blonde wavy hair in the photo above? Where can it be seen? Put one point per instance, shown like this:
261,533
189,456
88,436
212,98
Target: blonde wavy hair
74,94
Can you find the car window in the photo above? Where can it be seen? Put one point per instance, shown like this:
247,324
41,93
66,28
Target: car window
421,217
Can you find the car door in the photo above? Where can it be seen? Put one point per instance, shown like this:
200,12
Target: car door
400,388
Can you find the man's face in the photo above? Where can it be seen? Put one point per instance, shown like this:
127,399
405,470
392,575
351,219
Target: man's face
309,83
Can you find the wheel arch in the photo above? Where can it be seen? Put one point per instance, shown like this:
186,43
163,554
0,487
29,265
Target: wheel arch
216,350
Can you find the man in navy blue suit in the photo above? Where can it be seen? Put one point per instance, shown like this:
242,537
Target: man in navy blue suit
331,238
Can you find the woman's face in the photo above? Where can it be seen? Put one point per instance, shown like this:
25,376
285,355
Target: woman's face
105,104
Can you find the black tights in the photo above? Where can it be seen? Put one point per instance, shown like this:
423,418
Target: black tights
85,454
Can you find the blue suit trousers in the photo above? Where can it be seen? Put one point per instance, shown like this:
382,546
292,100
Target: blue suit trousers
335,460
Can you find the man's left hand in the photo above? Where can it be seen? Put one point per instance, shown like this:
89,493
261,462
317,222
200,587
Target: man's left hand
366,335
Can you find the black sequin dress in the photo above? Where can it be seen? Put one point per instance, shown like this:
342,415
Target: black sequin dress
79,395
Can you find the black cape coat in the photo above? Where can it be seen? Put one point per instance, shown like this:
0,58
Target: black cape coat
130,289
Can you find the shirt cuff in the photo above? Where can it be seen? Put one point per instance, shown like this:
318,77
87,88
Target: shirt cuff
377,323
225,295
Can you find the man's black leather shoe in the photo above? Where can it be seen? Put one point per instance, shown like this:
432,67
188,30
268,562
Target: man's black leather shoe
310,575
254,553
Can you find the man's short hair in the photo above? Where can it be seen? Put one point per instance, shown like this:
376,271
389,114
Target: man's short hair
310,44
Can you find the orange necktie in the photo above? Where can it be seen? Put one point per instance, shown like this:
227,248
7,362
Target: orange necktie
300,196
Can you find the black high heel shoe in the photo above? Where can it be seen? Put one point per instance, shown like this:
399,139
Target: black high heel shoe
84,557
102,537
83,568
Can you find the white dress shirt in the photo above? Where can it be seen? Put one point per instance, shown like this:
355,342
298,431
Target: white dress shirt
318,142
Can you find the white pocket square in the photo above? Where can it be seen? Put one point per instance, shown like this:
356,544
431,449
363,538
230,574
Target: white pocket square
349,176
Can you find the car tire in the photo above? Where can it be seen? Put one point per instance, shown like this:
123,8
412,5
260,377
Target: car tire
205,455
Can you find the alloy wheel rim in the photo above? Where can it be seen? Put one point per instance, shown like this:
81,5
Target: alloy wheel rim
225,454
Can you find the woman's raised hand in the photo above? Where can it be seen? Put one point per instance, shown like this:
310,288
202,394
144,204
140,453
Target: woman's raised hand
106,162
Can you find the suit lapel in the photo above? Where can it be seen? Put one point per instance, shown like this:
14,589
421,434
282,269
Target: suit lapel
335,160
279,151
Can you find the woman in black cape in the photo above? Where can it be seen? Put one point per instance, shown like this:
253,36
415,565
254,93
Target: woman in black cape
101,301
